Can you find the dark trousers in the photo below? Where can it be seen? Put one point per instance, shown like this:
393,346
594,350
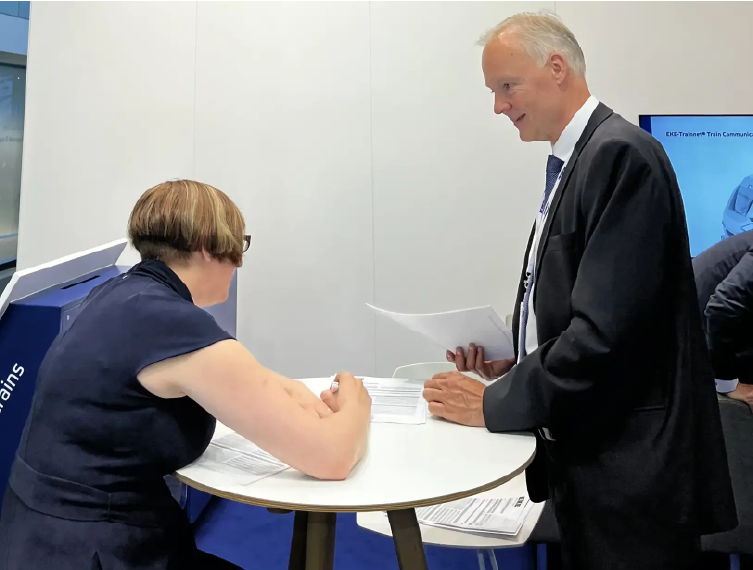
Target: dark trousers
620,543
600,525
207,561
198,559
31,540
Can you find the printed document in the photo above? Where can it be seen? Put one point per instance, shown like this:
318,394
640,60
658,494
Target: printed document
395,401
234,455
481,326
501,516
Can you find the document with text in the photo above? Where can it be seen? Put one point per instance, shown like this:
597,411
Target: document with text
502,516
481,326
235,456
396,401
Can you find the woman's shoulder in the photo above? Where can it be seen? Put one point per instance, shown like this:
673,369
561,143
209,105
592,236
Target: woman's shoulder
150,320
138,305
157,304
161,307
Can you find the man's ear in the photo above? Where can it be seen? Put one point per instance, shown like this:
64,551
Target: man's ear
558,67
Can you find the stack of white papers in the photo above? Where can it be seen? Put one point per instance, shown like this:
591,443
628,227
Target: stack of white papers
480,326
396,401
237,457
500,516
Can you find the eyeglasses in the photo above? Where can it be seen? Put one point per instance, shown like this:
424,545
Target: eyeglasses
246,243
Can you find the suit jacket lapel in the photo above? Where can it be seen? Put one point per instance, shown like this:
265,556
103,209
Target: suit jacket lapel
600,114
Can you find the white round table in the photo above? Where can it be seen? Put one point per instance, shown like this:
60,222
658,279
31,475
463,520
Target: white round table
405,467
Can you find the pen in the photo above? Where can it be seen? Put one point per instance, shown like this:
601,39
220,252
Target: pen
335,384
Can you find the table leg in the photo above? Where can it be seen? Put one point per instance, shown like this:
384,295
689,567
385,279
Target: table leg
407,536
320,541
298,543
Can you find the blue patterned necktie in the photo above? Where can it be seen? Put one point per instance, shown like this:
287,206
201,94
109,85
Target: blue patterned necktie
553,168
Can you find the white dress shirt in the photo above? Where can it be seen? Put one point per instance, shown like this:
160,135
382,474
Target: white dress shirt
562,149
726,386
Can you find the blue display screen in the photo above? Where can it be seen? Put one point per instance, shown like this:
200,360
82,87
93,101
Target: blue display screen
713,158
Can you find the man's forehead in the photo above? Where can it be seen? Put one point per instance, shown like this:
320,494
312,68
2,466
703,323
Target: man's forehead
504,48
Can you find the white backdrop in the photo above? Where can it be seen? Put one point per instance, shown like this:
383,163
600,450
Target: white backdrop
357,137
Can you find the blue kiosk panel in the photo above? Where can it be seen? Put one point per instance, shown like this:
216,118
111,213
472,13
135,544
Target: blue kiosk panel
27,329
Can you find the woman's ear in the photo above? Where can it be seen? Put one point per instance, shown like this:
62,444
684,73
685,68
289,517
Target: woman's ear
206,256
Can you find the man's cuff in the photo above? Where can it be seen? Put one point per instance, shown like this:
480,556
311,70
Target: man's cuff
726,386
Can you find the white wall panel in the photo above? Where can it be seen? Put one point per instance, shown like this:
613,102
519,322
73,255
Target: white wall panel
282,125
109,112
358,138
455,191
665,57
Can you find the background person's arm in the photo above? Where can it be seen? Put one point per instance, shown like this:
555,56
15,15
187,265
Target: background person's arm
228,382
728,315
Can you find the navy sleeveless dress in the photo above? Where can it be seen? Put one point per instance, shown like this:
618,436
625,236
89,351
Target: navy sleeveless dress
87,488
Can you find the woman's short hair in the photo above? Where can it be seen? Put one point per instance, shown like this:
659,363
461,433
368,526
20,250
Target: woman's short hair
174,219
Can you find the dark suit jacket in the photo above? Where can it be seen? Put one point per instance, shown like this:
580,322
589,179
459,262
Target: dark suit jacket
724,279
621,377
713,265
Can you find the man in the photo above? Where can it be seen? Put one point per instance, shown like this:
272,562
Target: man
724,279
612,374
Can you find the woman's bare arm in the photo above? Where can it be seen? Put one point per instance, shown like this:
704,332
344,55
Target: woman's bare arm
228,382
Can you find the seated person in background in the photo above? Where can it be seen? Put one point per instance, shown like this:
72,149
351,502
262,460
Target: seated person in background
724,279
130,394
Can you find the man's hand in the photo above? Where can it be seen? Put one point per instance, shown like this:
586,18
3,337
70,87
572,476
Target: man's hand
487,369
307,399
456,398
743,393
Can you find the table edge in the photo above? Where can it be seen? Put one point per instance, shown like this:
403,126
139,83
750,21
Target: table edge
354,508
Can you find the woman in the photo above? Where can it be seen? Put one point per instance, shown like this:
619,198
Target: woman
130,394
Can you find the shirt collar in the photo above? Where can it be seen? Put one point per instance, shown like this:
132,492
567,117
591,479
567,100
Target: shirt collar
160,272
565,146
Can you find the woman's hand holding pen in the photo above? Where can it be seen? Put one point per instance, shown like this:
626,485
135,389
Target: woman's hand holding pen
347,391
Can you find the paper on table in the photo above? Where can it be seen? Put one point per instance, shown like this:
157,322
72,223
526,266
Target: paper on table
480,326
503,516
396,401
234,455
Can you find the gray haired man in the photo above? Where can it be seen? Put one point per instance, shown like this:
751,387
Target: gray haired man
611,372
